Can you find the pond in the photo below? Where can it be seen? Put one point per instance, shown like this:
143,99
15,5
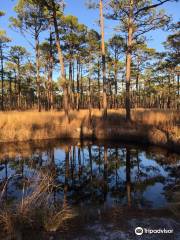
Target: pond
112,188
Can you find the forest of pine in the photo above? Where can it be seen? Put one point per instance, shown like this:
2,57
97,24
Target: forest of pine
75,67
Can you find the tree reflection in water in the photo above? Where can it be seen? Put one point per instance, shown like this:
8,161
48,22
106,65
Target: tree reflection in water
90,175
93,173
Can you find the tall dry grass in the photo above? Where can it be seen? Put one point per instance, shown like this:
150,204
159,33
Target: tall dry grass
156,117
20,126
23,126
35,210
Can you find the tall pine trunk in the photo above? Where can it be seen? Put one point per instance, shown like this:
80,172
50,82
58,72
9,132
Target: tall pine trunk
103,60
116,81
37,71
77,79
61,61
2,80
19,85
99,86
50,74
128,62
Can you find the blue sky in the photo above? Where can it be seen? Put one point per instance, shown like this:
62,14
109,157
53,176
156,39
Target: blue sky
88,17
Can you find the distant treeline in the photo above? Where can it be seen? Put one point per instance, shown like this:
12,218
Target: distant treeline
120,72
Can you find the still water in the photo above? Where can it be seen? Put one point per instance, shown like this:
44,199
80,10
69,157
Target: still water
113,187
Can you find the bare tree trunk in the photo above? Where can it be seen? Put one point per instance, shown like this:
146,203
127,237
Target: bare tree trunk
81,85
71,83
137,84
19,85
128,62
99,88
51,99
89,98
78,73
10,92
37,71
61,61
103,60
115,80
2,80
